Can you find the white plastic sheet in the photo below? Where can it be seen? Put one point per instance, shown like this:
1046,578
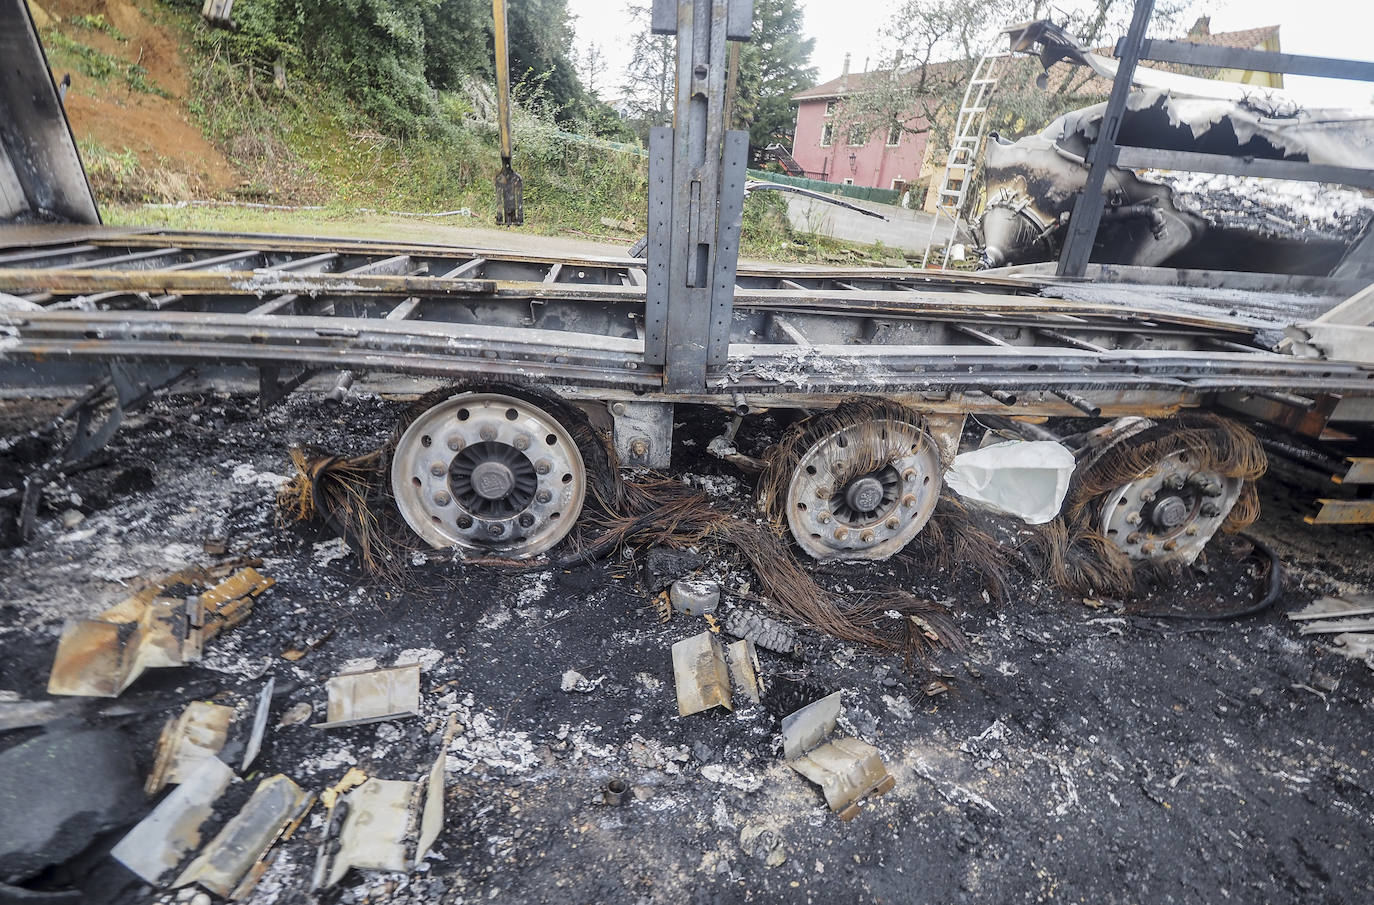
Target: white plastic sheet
1025,478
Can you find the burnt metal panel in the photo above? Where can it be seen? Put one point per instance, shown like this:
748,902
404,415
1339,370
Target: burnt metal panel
731,213
1212,55
1133,158
660,242
41,176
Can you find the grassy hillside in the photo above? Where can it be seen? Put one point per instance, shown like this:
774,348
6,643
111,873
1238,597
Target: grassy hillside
165,111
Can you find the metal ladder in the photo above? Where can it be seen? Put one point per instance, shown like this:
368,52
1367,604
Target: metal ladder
970,127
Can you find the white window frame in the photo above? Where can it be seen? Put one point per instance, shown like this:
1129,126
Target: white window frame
897,128
848,180
827,134
830,107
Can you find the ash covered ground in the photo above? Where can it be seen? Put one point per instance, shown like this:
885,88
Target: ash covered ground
1081,752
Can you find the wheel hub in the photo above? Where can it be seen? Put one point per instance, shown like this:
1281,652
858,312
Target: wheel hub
1170,512
486,472
865,494
834,515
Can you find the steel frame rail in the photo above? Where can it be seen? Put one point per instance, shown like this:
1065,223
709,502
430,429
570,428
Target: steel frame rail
310,305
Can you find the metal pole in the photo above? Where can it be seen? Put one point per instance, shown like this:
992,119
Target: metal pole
509,186
696,196
1087,209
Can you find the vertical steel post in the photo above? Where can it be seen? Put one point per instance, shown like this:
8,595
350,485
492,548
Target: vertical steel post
696,196
509,186
1087,209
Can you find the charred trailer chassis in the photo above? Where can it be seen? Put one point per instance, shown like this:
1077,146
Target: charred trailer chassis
893,359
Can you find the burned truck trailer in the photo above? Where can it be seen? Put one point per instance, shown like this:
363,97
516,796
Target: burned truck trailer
538,357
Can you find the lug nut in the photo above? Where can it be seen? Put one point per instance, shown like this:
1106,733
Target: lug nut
1191,531
909,475
522,443
454,443
639,448
1147,496
1171,545
543,496
1174,481
824,493
543,466
1133,537
437,469
441,498
496,530
892,523
526,520
867,537
909,500
841,534
487,432
1210,510
1147,548
1133,518
1213,489
465,522
823,518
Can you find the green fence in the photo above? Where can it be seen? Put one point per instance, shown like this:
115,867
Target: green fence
882,196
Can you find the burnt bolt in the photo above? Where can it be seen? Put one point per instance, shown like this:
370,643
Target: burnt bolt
1210,510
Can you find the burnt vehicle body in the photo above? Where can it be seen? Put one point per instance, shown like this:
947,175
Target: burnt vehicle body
1155,217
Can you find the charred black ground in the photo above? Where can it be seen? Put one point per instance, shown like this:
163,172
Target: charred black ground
1081,753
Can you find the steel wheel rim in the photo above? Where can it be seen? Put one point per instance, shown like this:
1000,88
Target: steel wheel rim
1169,514
870,516
489,473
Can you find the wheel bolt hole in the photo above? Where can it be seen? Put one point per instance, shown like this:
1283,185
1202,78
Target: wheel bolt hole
464,414
512,414
551,440
567,479
426,441
416,482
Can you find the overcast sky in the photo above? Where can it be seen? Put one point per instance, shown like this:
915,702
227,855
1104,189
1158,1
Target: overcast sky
1337,28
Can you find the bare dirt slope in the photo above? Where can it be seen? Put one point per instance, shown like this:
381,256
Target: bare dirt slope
155,124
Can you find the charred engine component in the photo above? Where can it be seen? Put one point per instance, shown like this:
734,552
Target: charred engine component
1032,184
1177,219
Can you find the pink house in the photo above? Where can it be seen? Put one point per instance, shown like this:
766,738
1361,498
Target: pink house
829,150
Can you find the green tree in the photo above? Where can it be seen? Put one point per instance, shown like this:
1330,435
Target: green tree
651,76
773,66
458,35
934,45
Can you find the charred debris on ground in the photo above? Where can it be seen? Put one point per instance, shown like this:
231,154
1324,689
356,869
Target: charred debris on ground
547,697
